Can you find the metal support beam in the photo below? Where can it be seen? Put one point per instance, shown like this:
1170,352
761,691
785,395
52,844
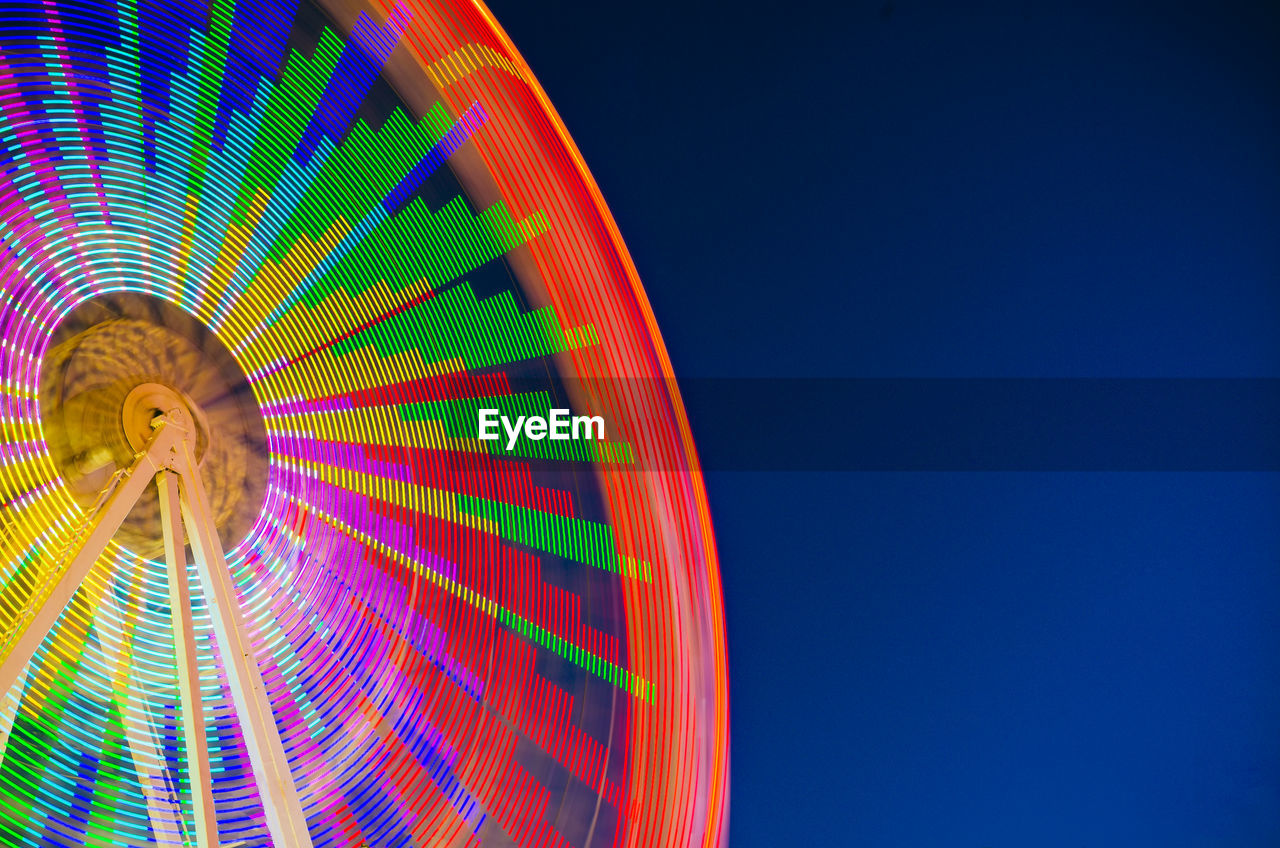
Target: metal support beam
285,818
199,775
168,457
100,526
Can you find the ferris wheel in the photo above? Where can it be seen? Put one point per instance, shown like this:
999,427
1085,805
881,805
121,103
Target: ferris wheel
263,269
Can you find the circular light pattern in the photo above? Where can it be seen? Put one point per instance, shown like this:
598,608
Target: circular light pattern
379,217
121,358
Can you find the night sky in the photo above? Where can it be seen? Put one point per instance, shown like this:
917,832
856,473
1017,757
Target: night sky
906,189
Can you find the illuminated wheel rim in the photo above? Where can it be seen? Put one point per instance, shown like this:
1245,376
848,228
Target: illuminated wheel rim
380,217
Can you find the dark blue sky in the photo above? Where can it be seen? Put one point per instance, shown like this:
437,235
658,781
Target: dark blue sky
965,190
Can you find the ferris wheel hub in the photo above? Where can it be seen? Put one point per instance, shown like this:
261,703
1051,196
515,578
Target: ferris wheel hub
147,402
117,362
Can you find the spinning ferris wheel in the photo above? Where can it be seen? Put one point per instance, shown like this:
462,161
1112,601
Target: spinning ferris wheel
261,266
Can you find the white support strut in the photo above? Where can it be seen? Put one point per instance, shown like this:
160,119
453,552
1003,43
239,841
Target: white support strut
184,642
285,817
101,526
168,457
